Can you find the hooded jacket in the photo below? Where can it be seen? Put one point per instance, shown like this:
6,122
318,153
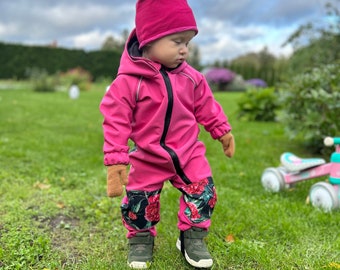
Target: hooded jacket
159,110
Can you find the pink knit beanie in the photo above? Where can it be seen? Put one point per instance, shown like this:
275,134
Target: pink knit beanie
159,18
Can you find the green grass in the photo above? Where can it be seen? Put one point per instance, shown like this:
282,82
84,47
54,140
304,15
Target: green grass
54,213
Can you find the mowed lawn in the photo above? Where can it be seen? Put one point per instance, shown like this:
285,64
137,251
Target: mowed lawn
54,213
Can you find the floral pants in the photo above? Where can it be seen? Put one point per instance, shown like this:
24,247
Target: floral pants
141,209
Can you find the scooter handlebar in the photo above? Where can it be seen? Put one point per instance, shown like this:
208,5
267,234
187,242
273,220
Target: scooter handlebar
329,141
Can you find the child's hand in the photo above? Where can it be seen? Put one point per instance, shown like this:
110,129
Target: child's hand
228,143
116,178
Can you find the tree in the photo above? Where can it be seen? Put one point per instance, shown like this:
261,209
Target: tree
311,94
194,58
113,44
110,44
316,43
256,65
125,36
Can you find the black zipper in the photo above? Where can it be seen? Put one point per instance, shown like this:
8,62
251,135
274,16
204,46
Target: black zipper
167,120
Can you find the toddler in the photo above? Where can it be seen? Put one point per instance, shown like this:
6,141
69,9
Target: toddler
158,102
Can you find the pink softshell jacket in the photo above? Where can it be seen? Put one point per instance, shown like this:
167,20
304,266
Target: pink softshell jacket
160,111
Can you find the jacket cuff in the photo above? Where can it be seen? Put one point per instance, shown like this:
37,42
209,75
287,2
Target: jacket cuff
219,131
116,158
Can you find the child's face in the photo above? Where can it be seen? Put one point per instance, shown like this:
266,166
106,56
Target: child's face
170,50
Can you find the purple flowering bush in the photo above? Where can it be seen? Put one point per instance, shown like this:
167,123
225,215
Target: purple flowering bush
219,75
256,82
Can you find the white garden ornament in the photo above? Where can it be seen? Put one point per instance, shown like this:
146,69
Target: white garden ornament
74,92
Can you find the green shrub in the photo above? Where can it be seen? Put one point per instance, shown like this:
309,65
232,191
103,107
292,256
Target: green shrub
311,105
258,105
77,76
41,81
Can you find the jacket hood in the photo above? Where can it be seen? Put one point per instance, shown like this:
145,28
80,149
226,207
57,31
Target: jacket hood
132,62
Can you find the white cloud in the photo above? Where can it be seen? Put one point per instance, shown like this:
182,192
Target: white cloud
9,29
91,40
227,29
249,32
219,40
88,40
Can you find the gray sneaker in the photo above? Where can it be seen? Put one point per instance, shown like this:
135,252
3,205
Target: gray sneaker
192,245
140,250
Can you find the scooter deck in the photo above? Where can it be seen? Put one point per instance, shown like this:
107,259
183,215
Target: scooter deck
294,163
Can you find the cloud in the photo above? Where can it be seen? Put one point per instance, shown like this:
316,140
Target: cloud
226,28
91,40
48,19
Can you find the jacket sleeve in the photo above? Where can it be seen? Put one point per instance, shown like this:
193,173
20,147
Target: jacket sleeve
209,112
117,109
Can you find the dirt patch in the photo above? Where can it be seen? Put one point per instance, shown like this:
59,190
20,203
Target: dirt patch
62,230
59,221
63,222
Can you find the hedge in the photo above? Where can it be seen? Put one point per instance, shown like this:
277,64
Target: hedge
16,59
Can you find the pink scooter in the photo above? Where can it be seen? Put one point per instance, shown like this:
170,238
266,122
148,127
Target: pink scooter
324,195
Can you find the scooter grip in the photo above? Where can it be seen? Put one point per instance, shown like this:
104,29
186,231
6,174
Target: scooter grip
329,141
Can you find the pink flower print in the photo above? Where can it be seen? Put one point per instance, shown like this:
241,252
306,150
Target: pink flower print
132,215
152,210
194,211
213,200
196,188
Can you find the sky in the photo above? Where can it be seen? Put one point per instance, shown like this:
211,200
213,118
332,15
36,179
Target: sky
227,28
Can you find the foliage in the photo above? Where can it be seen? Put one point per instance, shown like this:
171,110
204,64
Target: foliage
258,105
237,84
261,65
219,78
16,59
77,76
311,105
194,57
41,81
113,43
316,43
319,52
22,247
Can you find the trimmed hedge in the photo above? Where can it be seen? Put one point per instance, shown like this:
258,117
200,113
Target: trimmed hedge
16,59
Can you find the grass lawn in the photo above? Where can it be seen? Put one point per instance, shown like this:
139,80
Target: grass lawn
54,213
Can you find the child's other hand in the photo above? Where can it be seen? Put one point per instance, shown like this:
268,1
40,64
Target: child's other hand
116,178
228,143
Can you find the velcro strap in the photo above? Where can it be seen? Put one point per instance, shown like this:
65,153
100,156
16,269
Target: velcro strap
141,238
193,234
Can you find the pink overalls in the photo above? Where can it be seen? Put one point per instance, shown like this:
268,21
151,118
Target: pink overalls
159,110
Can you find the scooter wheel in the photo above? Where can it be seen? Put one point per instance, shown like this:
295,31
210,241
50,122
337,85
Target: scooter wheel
272,180
323,195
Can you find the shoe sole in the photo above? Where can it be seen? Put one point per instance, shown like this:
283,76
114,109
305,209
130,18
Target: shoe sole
207,263
139,265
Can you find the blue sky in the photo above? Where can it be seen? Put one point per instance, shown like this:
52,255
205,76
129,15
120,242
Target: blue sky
227,29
